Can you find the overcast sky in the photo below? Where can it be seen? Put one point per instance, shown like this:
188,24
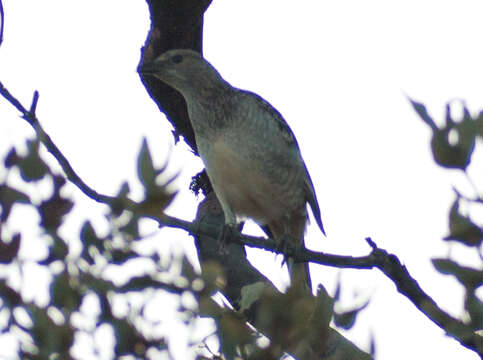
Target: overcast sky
338,71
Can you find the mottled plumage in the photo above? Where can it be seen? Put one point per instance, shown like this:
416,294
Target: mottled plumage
251,156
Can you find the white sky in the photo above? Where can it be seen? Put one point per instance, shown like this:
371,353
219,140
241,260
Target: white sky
337,71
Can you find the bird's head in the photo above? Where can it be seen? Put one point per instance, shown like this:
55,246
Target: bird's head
183,69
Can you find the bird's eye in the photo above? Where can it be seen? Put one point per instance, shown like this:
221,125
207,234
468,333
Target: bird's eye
177,59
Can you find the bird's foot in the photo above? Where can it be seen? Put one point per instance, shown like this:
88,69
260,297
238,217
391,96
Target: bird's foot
283,246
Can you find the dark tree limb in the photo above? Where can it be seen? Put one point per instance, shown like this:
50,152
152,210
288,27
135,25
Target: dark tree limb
175,24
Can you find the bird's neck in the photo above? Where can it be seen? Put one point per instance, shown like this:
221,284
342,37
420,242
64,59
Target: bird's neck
211,110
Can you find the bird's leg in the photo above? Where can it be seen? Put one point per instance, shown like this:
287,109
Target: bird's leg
227,230
284,240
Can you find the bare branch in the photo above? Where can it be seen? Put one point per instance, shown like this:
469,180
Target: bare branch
31,118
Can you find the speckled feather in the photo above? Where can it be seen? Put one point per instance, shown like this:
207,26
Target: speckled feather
251,155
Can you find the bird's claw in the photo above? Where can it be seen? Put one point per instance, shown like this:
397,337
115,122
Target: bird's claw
282,246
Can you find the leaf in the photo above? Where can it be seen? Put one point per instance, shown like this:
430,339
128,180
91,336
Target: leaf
474,306
423,113
63,295
250,294
132,342
119,257
89,238
139,283
146,172
213,277
187,269
347,319
32,167
452,153
157,197
58,251
49,337
469,277
479,124
233,333
450,156
462,229
131,229
8,251
325,307
54,209
12,158
8,197
10,297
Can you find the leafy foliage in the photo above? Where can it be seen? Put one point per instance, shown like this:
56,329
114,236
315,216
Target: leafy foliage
51,330
463,229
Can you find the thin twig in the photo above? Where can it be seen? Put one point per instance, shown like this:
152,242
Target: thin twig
387,263
2,18
31,118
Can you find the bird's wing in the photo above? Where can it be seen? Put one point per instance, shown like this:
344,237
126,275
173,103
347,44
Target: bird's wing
274,115
289,138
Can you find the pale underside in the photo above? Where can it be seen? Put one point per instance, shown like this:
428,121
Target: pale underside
244,192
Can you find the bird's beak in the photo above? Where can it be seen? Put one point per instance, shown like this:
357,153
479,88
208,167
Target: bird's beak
147,68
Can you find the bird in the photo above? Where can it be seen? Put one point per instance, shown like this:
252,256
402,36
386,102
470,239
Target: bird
251,155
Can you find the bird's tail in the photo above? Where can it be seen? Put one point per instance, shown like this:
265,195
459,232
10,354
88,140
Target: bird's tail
299,273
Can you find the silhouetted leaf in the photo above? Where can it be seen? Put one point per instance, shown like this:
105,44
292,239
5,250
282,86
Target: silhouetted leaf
8,197
250,294
32,167
233,333
132,227
347,319
130,341
10,297
119,257
117,205
462,228
12,158
89,238
58,251
470,278
53,210
63,295
474,306
479,124
457,152
49,337
187,269
146,172
8,251
423,113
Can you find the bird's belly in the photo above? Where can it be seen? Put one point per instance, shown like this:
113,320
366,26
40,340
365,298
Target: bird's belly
244,189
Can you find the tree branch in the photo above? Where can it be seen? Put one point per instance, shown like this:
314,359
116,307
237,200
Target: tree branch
31,118
2,18
387,263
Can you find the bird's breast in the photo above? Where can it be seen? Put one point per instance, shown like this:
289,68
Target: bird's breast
240,182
